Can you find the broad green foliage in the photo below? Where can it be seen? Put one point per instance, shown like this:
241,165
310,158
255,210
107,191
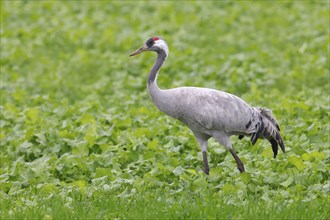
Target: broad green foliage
80,137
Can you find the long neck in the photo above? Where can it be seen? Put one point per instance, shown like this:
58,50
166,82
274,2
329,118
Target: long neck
158,96
154,70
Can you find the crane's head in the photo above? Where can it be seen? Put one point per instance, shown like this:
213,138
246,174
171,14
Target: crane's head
156,44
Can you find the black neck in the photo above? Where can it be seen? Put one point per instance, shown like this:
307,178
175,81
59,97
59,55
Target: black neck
154,70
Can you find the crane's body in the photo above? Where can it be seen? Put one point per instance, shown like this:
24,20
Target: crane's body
209,112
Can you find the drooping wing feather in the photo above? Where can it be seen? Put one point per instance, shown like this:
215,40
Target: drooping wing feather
268,113
267,127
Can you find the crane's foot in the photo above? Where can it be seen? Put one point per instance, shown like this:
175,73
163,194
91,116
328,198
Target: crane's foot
241,168
206,170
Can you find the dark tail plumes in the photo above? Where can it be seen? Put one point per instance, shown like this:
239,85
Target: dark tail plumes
267,127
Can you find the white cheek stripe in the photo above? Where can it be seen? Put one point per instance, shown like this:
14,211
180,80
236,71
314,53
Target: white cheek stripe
162,44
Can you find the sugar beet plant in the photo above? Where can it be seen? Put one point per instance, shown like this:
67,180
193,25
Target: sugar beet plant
80,137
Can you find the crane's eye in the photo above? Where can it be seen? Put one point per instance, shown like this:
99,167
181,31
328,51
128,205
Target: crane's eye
150,42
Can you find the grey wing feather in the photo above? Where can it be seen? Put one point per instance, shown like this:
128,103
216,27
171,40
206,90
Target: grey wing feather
208,109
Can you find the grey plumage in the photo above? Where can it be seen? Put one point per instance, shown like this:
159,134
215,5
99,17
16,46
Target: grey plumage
211,113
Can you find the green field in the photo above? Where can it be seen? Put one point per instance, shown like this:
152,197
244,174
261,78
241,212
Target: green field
80,137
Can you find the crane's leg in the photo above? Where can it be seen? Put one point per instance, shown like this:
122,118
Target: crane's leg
203,146
202,141
240,164
224,140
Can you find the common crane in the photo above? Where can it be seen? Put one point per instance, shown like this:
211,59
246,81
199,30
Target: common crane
209,112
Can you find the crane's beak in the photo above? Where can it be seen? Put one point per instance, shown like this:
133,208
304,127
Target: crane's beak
140,50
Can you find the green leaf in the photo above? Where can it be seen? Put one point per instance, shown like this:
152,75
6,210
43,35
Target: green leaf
287,182
80,183
32,114
123,123
215,174
80,148
153,144
90,136
142,132
266,197
317,155
267,153
246,177
200,183
296,161
229,188
47,188
100,172
178,171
